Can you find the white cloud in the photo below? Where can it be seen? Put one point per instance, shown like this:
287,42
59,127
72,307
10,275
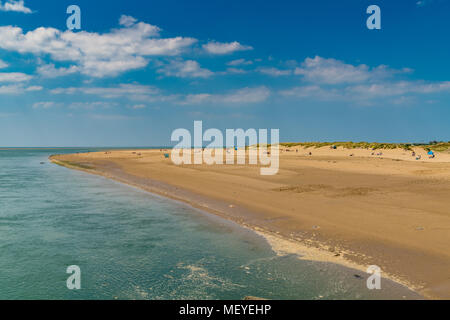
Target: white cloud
75,105
129,47
185,69
312,91
92,105
241,96
11,89
390,89
14,77
247,95
97,55
3,64
335,72
214,47
122,90
44,105
393,92
17,88
143,95
235,71
274,71
49,71
34,88
331,71
333,80
127,21
239,62
14,6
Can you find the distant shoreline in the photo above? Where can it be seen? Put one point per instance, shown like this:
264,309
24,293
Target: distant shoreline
438,146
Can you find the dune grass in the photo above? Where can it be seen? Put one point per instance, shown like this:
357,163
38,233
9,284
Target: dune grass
436,146
439,146
71,164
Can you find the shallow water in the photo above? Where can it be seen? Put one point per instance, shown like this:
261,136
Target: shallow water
130,244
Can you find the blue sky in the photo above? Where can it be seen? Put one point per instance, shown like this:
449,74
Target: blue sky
137,70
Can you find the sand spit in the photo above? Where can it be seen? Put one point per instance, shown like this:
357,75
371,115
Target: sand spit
355,207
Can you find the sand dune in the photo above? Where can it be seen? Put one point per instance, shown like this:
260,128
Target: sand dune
345,205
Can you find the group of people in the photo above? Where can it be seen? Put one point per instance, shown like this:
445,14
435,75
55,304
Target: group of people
430,153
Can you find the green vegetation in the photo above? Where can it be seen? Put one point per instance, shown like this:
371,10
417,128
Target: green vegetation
434,145
438,146
71,164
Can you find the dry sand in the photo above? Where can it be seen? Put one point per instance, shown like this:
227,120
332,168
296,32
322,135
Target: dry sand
390,210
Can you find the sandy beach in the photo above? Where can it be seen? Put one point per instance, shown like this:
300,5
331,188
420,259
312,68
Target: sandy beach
356,207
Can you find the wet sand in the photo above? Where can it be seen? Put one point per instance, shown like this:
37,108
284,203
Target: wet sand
388,210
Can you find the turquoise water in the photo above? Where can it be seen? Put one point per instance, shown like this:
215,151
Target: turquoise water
130,244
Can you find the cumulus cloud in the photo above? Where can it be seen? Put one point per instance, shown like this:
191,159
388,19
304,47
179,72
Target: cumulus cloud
11,89
34,88
234,71
367,94
97,55
242,96
75,105
14,77
399,88
331,71
185,69
239,62
313,91
50,71
214,47
129,47
143,94
323,80
14,6
127,21
17,88
122,90
334,80
274,71
3,64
